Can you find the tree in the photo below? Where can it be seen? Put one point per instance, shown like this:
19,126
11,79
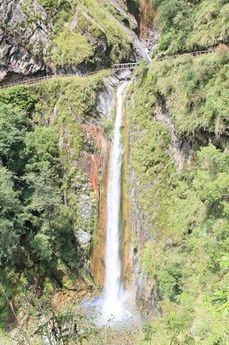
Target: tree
10,210
13,126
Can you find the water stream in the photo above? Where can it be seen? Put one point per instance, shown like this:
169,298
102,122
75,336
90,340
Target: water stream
113,308
113,290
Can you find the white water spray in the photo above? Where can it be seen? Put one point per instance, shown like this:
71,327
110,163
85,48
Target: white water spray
115,308
113,293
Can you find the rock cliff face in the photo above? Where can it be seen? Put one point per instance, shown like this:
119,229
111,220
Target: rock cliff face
180,147
26,40
67,38
147,295
24,36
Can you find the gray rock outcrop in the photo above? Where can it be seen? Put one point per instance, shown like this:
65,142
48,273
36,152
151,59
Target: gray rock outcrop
24,37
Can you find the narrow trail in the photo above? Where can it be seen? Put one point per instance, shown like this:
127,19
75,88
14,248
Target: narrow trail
115,68
196,53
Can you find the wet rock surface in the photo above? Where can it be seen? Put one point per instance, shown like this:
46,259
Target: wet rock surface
105,99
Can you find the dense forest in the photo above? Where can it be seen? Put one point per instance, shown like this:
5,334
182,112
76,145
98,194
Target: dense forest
54,147
44,198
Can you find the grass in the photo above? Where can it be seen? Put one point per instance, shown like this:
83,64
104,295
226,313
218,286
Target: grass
194,90
189,26
184,213
71,48
117,38
95,24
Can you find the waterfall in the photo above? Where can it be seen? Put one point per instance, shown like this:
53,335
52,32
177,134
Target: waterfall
113,292
114,308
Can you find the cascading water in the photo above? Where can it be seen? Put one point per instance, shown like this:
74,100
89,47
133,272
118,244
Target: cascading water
112,305
111,308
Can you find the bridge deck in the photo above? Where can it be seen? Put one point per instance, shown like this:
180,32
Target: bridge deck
120,66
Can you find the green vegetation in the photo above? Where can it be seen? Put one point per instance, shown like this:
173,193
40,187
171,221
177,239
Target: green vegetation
45,195
80,27
185,212
195,90
70,32
117,38
46,198
187,25
71,48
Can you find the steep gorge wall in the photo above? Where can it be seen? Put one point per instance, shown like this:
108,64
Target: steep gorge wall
26,44
178,153
147,17
63,38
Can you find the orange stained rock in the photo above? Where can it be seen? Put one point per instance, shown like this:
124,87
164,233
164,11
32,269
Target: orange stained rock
147,16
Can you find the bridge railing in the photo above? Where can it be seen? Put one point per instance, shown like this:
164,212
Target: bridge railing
194,53
34,80
39,79
115,67
120,66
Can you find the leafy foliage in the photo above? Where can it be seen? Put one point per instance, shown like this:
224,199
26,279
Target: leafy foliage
185,212
10,213
73,44
72,48
13,125
191,25
45,194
